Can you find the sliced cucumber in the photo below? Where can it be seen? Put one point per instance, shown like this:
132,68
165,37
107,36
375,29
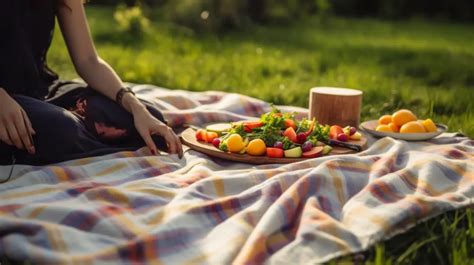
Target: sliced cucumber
219,128
327,149
294,152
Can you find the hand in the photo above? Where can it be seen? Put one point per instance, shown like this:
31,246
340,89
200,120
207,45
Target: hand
148,125
15,126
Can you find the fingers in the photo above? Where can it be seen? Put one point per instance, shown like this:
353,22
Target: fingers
180,147
149,142
30,131
4,136
17,132
14,136
28,122
147,126
174,144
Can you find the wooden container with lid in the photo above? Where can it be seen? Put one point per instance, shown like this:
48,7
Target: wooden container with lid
335,106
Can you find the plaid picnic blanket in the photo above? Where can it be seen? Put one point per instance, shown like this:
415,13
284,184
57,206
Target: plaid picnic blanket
132,207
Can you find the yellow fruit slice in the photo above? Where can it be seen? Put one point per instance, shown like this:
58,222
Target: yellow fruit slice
235,143
403,116
383,128
429,125
256,147
385,119
412,127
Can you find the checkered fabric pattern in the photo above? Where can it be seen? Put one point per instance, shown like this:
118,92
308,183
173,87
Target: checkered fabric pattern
132,207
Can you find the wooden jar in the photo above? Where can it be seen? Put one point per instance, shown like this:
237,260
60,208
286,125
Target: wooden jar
335,106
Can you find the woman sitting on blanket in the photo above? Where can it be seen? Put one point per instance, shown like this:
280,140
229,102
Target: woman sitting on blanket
44,120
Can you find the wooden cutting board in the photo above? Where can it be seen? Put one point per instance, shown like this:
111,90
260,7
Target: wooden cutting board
188,138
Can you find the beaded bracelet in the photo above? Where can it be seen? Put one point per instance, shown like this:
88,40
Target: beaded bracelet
121,93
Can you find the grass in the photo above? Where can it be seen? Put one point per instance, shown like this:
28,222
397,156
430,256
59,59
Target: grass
423,66
447,239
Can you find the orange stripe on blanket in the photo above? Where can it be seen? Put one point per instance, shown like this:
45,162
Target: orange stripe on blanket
153,191
37,211
253,252
16,194
111,170
56,239
60,173
219,186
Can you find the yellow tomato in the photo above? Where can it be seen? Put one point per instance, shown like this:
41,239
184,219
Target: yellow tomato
385,119
235,143
383,128
256,147
429,125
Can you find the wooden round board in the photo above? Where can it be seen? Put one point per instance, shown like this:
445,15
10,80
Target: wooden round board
188,137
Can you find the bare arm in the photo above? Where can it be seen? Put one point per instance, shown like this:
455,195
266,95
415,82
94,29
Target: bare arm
100,76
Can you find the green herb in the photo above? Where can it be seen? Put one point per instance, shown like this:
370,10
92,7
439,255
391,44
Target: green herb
223,146
288,144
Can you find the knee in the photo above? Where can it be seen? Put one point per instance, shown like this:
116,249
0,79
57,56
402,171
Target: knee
57,132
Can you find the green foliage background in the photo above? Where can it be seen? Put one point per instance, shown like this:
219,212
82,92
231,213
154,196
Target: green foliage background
424,66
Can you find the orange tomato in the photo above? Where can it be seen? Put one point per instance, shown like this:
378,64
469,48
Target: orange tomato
334,131
403,116
394,127
385,119
412,127
290,123
210,136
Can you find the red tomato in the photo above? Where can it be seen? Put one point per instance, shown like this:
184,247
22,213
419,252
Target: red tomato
334,131
249,125
291,134
247,129
274,152
290,123
199,135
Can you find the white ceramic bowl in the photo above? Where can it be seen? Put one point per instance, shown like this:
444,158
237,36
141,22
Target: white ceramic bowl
369,126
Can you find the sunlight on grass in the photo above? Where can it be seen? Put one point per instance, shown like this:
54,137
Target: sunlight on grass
428,67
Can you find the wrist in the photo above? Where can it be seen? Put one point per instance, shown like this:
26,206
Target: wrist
132,104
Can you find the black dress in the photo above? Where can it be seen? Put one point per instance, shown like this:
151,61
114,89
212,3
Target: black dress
26,29
71,120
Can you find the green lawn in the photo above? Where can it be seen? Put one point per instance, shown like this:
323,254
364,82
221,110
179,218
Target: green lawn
423,66
418,65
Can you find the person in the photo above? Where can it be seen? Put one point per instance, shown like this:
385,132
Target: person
44,120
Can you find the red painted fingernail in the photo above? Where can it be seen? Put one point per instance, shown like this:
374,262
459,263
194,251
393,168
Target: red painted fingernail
153,152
